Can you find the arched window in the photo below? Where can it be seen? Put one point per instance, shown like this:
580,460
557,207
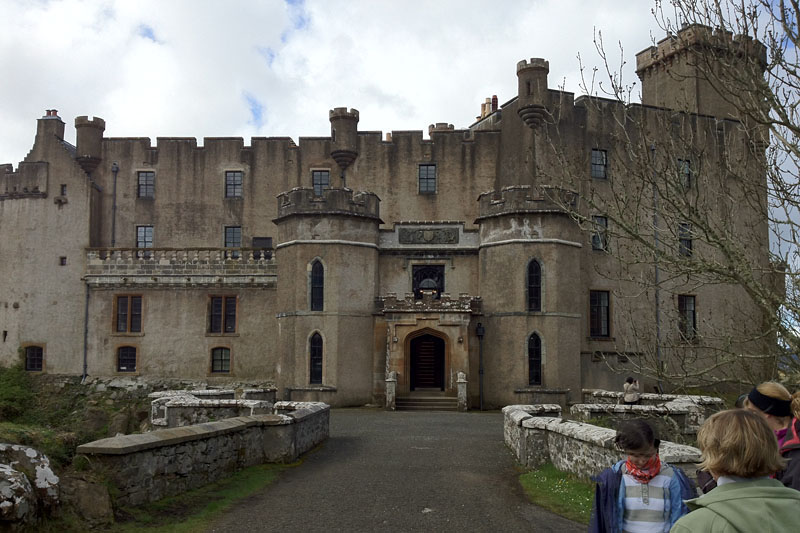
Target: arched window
534,286
315,354
534,360
126,359
317,285
34,358
220,360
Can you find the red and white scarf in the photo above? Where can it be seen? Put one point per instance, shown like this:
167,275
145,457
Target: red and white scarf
647,472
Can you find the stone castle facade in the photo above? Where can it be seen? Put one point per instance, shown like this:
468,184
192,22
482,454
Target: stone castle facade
425,257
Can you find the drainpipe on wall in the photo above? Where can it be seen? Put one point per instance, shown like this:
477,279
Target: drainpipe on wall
114,170
480,332
85,336
657,272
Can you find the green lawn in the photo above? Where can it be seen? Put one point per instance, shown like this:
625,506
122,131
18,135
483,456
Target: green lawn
557,491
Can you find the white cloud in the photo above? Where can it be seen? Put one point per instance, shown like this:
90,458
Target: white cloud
202,68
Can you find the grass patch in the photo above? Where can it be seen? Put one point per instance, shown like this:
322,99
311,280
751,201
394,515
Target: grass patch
559,492
196,509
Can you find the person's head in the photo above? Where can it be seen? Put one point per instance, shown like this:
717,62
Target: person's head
739,404
636,438
629,380
772,401
738,442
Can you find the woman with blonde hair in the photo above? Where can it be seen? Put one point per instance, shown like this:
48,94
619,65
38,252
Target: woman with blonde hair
740,451
781,410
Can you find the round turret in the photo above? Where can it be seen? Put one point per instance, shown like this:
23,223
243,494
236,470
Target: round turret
344,135
89,141
532,78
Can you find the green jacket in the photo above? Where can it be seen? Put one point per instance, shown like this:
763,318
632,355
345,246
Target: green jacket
762,505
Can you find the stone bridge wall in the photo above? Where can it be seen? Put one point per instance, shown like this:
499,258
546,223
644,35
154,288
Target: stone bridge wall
184,408
575,447
149,466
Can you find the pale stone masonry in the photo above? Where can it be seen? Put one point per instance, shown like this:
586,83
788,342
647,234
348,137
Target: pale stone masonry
334,267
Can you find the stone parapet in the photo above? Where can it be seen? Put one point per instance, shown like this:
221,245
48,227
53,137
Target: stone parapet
172,267
150,466
521,199
445,304
575,447
694,36
336,202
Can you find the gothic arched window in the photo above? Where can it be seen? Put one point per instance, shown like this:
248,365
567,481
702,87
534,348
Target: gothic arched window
317,285
315,355
534,360
534,286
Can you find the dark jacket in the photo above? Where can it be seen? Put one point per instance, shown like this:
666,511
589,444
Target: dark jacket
790,450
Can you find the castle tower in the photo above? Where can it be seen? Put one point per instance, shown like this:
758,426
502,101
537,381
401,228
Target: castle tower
700,70
344,136
532,91
529,265
89,143
327,257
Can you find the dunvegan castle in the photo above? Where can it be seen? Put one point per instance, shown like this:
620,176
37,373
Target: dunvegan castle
327,266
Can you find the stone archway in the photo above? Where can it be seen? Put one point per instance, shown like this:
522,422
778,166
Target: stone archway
427,363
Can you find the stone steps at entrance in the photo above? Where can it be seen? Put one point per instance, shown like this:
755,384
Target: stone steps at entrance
426,403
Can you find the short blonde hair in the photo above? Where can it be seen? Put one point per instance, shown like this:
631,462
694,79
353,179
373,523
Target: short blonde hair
739,443
775,390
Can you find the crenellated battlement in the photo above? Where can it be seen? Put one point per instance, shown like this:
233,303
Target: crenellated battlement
343,112
525,199
29,181
534,63
698,35
94,122
341,202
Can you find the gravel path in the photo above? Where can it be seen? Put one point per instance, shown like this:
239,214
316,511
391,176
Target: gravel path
400,471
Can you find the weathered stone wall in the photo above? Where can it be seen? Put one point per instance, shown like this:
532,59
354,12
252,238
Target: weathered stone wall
575,447
150,466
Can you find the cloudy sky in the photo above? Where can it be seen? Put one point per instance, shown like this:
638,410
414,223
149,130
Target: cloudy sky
196,68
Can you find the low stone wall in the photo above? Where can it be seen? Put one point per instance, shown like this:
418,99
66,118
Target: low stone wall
185,408
576,447
149,466
707,404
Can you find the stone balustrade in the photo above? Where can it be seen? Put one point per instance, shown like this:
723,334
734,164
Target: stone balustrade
429,303
149,466
158,267
576,447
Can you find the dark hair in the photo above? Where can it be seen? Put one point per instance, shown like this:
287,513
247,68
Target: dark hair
635,435
740,401
629,380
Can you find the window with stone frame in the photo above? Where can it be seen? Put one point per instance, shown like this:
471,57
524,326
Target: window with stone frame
128,313
144,239
317,285
534,360
599,232
233,183
34,358
315,359
427,278
599,164
685,173
126,359
687,318
427,179
146,186
534,286
222,314
220,360
685,244
599,314
320,180
233,239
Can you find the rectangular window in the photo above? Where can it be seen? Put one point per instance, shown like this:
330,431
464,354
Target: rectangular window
685,239
126,359
62,261
34,358
321,179
599,164
144,239
263,248
685,173
233,239
233,183
147,184
129,314
63,189
599,233
599,318
221,360
222,314
687,320
427,179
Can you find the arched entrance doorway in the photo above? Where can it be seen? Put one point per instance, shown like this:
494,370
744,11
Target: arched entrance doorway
427,363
